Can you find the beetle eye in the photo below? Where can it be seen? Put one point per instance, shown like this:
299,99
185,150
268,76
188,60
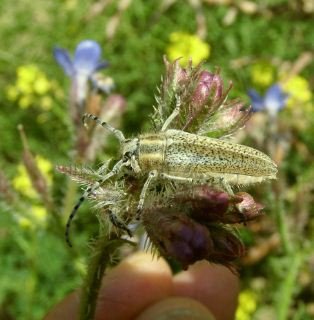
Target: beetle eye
127,156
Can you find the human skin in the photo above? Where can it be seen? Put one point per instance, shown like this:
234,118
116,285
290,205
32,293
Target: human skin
141,282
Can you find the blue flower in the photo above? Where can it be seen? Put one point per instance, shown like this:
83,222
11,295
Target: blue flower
273,101
86,61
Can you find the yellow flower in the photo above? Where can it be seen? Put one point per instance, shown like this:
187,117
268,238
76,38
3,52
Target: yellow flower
26,101
22,182
12,93
46,103
27,73
24,222
41,85
247,305
298,89
32,87
45,167
187,46
70,5
262,74
38,215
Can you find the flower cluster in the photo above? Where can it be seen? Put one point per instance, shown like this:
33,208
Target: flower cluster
32,88
195,223
247,305
204,108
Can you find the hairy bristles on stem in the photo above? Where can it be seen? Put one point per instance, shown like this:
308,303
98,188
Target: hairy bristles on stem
89,191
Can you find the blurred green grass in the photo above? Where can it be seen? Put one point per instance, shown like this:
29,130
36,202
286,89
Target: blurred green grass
37,269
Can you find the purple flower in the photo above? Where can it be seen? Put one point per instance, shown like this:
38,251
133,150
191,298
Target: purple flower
273,101
86,61
177,236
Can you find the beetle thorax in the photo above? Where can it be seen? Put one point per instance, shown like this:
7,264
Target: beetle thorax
130,147
152,152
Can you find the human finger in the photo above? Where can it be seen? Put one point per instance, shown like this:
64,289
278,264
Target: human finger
127,289
213,285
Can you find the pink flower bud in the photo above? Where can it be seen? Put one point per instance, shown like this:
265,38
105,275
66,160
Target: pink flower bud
231,117
175,74
209,84
248,207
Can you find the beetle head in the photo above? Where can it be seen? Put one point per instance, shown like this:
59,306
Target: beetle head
129,148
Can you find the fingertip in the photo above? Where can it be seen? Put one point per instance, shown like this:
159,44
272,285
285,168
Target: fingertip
66,309
213,285
135,283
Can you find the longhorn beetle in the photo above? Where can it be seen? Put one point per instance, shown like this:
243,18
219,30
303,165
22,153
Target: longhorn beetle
183,157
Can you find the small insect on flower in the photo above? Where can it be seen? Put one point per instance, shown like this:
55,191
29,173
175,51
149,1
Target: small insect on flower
179,149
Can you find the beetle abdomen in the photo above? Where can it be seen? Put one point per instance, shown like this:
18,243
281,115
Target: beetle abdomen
192,155
182,154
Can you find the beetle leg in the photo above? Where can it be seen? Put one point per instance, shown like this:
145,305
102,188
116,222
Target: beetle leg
152,175
134,164
176,178
87,193
118,223
226,186
173,115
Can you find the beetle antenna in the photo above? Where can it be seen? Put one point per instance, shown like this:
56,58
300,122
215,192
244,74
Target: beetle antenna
119,135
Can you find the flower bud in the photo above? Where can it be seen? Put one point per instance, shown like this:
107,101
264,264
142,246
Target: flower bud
248,207
200,99
176,76
209,84
227,247
231,117
177,236
206,203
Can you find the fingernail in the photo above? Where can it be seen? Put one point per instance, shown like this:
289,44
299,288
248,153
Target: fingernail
176,308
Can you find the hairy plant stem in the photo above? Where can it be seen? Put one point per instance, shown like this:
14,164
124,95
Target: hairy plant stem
288,287
100,259
282,225
272,144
